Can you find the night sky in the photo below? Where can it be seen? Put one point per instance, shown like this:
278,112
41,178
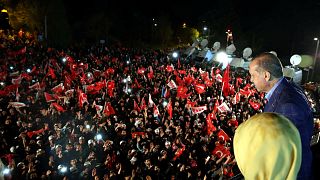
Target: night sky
287,27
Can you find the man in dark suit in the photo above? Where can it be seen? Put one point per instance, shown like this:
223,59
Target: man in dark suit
286,98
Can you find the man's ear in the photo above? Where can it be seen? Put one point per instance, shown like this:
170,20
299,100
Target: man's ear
267,76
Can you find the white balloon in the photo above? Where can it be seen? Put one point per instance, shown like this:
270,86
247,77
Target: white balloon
204,43
216,46
295,59
247,53
230,49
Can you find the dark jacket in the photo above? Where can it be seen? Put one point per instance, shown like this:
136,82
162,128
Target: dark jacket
289,100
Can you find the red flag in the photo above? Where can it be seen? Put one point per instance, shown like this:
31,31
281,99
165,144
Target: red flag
58,107
219,78
143,104
135,134
108,109
236,98
49,97
210,127
172,84
82,98
239,81
182,72
225,82
58,89
51,73
141,70
182,92
179,152
155,111
135,106
26,76
179,65
169,68
220,150
245,93
223,135
223,107
216,105
254,105
197,110
188,80
200,88
110,86
169,108
150,74
190,103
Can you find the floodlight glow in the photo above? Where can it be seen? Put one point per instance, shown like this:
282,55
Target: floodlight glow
165,103
63,169
64,59
205,28
174,54
129,78
124,80
99,136
2,83
11,67
28,70
88,126
222,57
6,171
129,90
128,62
316,39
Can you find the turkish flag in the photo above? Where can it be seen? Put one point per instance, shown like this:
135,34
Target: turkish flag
141,70
210,127
223,135
223,107
155,111
255,105
49,97
197,110
58,89
82,98
225,82
108,109
172,84
220,150
169,108
58,107
182,92
135,106
200,88
179,152
51,73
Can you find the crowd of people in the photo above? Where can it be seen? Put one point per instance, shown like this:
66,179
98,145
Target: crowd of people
117,113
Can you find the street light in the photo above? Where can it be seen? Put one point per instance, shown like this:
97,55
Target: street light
315,58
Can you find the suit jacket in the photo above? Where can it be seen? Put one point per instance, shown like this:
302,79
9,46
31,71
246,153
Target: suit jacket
289,100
